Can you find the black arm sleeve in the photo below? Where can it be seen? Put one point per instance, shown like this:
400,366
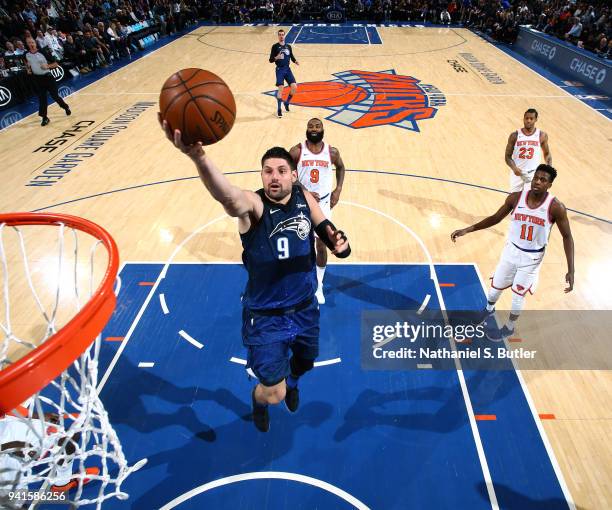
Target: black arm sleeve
321,230
273,53
291,54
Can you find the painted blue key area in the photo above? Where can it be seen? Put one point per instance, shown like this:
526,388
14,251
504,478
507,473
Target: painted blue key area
339,34
390,439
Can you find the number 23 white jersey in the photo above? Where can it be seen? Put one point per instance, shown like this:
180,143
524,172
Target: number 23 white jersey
527,154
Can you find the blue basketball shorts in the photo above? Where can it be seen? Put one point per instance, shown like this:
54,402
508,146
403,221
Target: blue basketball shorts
270,340
284,74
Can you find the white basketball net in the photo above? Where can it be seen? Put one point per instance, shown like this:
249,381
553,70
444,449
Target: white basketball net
63,433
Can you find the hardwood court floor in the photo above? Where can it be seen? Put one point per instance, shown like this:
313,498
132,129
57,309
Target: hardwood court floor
434,181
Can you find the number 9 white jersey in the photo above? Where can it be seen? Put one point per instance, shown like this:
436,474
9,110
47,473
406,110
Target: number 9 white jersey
315,170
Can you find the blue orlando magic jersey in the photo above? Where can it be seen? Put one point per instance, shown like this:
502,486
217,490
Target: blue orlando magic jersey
279,255
287,53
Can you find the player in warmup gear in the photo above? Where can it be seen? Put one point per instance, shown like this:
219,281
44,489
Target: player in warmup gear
279,313
281,54
314,159
524,151
532,214
35,438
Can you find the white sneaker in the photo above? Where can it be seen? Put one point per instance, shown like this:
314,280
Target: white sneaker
320,297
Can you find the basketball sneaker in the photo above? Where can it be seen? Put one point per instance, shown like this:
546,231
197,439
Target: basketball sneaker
261,418
292,399
499,335
279,113
74,483
487,317
286,106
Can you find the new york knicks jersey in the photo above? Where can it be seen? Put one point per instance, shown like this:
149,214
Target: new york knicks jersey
530,228
315,170
279,255
527,153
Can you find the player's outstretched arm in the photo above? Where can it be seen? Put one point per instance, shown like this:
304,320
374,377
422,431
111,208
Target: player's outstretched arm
508,155
502,212
235,201
332,237
559,213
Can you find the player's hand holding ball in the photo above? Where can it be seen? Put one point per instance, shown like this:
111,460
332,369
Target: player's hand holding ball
196,108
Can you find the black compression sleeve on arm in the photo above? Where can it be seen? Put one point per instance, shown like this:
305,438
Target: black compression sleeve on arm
273,53
321,230
291,56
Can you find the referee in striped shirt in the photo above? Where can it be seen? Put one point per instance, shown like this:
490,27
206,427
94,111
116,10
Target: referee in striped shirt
44,80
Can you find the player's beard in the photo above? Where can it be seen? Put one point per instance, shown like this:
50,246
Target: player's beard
313,137
278,193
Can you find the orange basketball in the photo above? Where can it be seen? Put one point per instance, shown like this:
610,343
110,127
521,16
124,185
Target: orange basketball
199,104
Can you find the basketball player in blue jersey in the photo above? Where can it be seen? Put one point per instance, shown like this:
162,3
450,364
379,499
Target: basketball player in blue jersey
280,54
280,315
533,212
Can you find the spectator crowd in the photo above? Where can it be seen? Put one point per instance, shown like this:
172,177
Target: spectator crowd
87,34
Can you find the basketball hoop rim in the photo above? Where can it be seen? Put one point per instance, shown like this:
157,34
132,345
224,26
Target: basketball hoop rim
39,367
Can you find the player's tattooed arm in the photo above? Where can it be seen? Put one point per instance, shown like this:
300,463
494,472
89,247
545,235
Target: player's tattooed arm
502,212
559,214
509,150
340,171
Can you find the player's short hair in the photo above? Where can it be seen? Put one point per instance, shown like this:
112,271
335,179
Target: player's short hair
532,110
278,152
316,118
552,173
281,30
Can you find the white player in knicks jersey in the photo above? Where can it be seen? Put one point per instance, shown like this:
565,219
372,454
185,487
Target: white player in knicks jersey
314,159
533,211
524,151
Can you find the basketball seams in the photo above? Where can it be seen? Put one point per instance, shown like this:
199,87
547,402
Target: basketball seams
212,131
186,116
206,96
201,83
174,99
198,107
195,71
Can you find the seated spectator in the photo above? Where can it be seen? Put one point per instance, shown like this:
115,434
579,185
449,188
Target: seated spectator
76,54
54,45
101,44
94,52
10,49
575,31
601,47
445,17
41,40
19,47
119,42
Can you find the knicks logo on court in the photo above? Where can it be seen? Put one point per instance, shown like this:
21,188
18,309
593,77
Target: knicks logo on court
299,224
362,99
